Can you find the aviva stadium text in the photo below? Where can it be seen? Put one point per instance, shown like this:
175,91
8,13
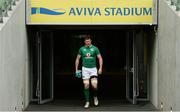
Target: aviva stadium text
110,11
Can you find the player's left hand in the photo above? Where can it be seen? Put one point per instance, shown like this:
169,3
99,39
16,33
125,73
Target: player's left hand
100,71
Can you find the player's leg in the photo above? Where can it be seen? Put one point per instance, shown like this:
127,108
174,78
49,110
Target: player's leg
86,89
85,76
94,84
86,92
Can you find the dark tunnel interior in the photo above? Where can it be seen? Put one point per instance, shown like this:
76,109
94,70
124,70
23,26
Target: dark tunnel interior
125,60
112,46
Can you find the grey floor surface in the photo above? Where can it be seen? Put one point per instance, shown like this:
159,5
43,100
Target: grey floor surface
77,105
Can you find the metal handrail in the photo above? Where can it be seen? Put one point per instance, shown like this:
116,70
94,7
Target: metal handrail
5,6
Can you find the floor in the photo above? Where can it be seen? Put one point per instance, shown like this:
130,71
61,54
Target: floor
105,105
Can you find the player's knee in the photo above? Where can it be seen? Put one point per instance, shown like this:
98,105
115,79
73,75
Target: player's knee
86,83
94,83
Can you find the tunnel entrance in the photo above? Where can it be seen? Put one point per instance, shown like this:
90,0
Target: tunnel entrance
112,49
53,53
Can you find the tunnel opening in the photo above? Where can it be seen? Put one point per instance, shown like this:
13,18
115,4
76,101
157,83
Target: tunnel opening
124,51
112,47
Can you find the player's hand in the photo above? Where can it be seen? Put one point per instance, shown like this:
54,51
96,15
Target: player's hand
100,71
78,73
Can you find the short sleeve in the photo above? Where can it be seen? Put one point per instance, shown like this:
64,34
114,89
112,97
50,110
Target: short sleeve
80,52
97,51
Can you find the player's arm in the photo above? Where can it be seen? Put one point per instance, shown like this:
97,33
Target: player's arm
77,62
100,63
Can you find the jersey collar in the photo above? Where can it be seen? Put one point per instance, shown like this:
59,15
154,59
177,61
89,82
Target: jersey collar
89,46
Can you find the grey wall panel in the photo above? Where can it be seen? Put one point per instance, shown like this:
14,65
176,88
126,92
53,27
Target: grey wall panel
168,60
14,60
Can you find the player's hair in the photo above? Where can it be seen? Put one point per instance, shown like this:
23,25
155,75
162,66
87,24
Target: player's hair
87,37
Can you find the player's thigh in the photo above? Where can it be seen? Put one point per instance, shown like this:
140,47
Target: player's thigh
93,72
85,73
94,82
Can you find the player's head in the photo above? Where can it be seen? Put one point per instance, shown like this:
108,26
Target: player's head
87,40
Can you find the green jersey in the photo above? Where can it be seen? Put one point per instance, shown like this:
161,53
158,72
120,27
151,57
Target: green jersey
89,55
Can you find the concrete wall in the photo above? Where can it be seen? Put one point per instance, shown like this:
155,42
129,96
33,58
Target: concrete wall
168,57
177,84
153,66
14,83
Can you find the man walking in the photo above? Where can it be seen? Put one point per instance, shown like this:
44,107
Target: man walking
89,53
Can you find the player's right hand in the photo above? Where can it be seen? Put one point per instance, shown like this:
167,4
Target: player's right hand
78,73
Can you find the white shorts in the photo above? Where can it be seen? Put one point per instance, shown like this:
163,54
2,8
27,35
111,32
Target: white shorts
87,73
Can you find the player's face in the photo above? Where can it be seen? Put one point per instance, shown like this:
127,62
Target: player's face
88,42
